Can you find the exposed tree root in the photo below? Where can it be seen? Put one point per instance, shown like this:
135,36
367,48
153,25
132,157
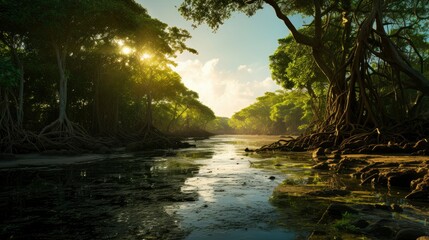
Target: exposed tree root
13,138
17,140
63,134
408,137
150,138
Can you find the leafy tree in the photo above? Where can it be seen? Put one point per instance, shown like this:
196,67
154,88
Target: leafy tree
293,68
294,111
220,126
256,118
354,44
101,87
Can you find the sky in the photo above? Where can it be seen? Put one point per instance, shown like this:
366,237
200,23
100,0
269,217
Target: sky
232,68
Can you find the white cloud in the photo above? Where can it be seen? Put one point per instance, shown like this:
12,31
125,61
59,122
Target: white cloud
245,68
224,92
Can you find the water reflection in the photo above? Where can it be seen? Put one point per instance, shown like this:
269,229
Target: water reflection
233,202
119,198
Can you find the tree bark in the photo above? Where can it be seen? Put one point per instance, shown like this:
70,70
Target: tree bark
61,62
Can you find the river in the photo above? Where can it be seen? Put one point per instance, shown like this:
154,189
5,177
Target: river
212,191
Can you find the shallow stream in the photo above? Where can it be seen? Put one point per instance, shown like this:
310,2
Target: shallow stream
212,191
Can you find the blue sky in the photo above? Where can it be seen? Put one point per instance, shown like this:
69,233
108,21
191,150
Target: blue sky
232,67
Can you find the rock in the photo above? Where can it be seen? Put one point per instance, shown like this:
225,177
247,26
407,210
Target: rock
321,166
409,234
380,231
403,178
337,210
421,144
272,178
361,223
248,150
319,152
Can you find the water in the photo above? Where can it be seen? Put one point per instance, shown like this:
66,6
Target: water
233,202
213,191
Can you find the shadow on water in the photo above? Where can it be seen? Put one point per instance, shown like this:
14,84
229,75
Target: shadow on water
118,198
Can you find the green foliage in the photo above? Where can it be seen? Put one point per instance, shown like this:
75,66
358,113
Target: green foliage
294,111
255,119
9,75
220,126
214,13
345,223
362,63
108,90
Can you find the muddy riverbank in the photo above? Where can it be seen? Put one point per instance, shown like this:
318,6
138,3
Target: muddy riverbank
212,191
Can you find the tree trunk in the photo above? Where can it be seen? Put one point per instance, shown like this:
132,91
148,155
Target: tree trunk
61,62
149,119
175,118
20,110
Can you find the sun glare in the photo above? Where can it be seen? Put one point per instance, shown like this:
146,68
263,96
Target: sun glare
126,50
145,56
119,42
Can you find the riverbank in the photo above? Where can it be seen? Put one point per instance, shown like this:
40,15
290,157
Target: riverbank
365,196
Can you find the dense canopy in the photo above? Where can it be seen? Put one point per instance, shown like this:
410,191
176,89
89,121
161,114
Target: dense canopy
82,69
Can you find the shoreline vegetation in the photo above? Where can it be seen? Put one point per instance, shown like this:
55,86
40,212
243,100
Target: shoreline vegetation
339,210
402,171
388,165
128,143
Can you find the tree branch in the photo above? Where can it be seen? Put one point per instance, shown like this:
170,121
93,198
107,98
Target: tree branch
299,37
